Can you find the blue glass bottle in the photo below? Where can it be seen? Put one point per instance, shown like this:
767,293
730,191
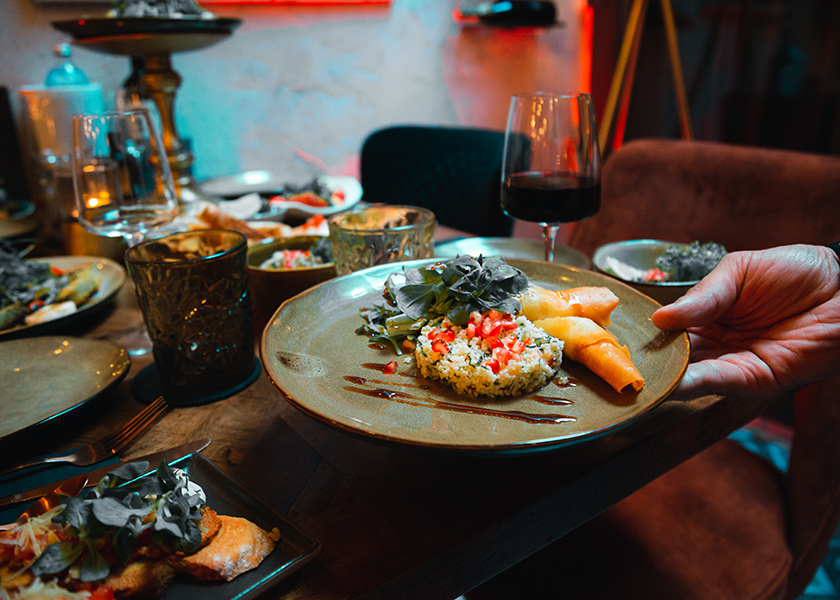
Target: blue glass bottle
66,73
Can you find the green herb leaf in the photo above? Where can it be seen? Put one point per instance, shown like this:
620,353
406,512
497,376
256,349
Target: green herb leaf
56,558
452,288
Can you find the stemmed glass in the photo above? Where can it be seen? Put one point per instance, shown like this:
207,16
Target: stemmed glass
121,175
551,169
122,181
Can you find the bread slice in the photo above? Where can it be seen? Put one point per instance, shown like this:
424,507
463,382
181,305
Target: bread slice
238,546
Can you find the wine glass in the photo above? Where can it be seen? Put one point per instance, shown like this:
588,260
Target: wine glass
121,175
551,168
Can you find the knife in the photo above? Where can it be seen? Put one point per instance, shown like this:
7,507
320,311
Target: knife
171,456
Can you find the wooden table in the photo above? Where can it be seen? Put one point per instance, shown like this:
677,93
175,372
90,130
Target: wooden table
395,522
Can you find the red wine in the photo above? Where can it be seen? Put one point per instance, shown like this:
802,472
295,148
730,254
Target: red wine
551,197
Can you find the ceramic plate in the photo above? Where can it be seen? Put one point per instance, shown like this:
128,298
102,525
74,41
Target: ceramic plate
227,497
17,218
525,248
86,28
311,353
268,184
45,378
113,278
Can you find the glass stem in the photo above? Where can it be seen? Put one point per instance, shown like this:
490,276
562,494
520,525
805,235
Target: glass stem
549,233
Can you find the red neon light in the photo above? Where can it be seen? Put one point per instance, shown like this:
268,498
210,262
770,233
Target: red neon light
587,19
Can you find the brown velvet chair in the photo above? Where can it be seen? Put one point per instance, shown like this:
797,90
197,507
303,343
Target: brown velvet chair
726,524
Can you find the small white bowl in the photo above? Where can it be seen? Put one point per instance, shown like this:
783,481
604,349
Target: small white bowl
641,254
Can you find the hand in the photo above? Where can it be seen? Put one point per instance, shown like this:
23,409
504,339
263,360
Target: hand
761,323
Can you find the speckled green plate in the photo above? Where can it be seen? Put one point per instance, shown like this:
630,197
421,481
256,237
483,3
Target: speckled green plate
112,278
46,378
311,353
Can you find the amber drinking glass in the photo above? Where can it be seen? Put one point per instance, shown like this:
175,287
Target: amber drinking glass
380,235
193,291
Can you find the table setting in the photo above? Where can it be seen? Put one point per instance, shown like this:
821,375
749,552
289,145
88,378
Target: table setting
249,360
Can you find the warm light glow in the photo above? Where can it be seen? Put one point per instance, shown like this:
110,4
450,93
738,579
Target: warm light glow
587,18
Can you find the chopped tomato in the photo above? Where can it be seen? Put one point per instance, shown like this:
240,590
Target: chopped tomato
433,334
440,347
508,325
492,364
56,271
494,314
476,317
337,197
448,335
472,330
495,342
491,328
35,305
103,592
390,368
655,275
309,199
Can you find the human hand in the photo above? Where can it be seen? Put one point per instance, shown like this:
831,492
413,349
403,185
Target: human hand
761,323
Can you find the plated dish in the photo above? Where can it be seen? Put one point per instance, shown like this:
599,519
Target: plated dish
352,390
248,548
530,249
112,277
46,378
268,185
294,549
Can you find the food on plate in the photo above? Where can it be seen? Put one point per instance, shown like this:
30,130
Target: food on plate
216,218
596,303
596,348
315,193
32,291
128,537
675,264
170,9
494,355
465,322
317,254
238,546
690,263
211,216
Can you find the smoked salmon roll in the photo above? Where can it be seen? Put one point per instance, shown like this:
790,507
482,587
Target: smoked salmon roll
595,303
595,348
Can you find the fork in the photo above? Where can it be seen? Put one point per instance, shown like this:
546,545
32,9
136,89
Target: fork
105,447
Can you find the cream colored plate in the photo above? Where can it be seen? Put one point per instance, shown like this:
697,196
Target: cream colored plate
312,354
113,278
47,377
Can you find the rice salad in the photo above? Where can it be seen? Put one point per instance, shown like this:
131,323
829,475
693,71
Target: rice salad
462,321
523,360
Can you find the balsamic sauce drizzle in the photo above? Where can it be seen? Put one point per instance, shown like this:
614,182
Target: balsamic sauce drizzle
406,398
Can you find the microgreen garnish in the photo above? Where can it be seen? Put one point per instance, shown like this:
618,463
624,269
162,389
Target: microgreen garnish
452,288
121,508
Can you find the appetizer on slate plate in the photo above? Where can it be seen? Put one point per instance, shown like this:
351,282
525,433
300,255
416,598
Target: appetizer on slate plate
128,537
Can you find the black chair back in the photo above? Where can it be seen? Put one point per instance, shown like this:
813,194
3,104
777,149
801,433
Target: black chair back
454,172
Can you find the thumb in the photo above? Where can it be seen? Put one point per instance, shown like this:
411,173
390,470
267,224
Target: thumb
701,305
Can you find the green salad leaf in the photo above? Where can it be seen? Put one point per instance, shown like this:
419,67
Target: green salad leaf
452,288
123,506
690,263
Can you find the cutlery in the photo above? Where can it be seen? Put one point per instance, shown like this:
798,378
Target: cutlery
170,456
105,447
70,487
